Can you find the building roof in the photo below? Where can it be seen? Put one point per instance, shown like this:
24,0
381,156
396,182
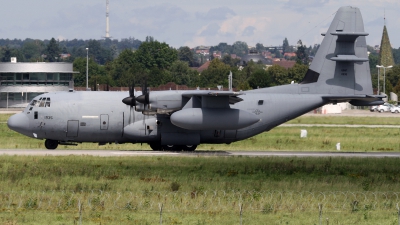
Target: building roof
203,67
255,57
36,67
285,64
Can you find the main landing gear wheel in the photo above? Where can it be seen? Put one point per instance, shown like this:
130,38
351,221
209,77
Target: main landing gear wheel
156,146
51,144
172,147
189,148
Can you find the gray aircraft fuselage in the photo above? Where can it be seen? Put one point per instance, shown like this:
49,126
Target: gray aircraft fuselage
101,117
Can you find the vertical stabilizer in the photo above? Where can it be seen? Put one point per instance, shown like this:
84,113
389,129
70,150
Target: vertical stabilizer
341,65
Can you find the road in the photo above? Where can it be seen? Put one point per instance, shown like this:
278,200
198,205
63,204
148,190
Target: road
114,153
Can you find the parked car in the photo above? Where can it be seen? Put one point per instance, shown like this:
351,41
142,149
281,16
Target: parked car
395,109
373,108
384,108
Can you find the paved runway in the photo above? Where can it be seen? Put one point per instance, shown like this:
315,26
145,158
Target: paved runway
116,153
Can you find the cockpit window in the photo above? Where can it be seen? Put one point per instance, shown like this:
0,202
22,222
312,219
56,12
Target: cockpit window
33,102
38,102
48,102
42,102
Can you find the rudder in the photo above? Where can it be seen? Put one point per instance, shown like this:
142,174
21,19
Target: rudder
341,65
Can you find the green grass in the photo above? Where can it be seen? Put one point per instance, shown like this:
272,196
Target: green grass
126,190
327,119
197,190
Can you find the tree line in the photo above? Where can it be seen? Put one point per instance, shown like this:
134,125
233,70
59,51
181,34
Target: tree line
130,61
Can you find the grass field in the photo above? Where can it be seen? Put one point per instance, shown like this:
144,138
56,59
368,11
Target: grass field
327,119
192,190
211,190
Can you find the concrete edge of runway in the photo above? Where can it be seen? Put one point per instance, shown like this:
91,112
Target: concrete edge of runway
123,153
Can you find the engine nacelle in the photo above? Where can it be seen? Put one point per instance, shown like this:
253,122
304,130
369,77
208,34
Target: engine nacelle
213,119
162,102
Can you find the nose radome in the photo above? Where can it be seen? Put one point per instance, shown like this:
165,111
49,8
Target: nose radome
19,123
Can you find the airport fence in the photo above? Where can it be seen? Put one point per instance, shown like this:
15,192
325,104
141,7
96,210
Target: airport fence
264,202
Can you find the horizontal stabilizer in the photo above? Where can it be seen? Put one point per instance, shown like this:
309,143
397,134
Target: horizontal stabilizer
357,100
348,58
354,97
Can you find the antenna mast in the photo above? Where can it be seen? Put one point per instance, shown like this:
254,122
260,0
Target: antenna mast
107,20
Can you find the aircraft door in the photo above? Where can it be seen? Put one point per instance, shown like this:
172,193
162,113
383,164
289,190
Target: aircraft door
72,128
103,122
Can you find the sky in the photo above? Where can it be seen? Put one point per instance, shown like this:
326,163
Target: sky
193,23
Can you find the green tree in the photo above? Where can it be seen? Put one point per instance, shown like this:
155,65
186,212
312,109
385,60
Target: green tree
185,54
392,76
240,48
155,55
33,50
121,69
260,47
98,53
260,79
53,51
396,55
97,73
302,57
182,74
228,60
297,72
278,74
285,46
216,74
8,52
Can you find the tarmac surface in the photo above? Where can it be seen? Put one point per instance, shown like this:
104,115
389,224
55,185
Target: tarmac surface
114,153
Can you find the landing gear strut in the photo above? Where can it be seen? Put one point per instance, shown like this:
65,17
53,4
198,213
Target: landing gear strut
51,144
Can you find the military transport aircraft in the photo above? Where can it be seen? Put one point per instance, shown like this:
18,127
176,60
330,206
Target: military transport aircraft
181,120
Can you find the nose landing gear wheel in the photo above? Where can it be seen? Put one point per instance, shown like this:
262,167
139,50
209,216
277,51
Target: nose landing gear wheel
51,144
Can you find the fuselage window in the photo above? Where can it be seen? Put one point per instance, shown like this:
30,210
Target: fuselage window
35,115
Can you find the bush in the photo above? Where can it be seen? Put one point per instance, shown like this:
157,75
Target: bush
175,186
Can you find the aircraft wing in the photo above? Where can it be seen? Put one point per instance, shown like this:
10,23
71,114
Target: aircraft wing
210,110
230,97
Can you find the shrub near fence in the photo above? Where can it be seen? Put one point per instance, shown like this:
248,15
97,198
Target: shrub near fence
203,202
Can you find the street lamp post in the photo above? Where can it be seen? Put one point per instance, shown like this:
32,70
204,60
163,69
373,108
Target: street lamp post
378,77
384,76
87,69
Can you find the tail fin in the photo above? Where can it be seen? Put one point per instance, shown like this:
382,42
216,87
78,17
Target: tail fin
341,65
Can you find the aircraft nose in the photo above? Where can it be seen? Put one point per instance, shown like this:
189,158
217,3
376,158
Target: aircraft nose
19,123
